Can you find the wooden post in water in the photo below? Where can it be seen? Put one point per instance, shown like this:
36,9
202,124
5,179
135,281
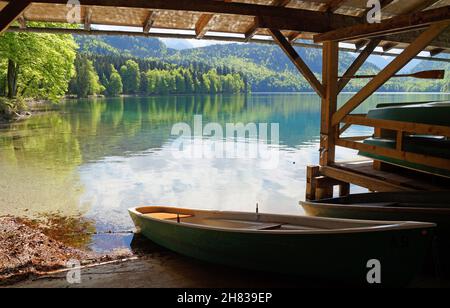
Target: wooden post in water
328,131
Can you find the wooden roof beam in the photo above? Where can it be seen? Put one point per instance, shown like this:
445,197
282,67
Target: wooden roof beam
202,23
149,21
251,31
394,25
298,61
393,68
358,63
11,12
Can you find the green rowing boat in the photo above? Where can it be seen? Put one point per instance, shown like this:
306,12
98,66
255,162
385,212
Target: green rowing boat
320,248
431,207
433,113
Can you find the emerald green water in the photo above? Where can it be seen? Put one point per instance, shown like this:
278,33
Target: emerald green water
82,165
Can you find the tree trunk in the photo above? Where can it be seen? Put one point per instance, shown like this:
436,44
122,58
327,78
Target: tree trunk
13,72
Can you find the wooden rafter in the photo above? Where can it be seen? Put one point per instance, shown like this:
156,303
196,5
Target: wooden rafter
424,4
11,12
389,46
201,27
254,27
360,44
356,65
87,19
394,67
22,22
298,61
394,25
149,21
436,51
250,33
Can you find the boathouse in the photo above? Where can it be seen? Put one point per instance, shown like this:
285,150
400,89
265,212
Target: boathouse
419,28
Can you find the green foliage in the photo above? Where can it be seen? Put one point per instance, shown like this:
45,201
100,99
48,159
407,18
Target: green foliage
43,64
86,81
131,77
114,86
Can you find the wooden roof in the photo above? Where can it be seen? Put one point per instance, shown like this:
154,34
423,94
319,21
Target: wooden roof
238,19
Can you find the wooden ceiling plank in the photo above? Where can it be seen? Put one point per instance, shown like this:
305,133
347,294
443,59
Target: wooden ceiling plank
298,61
333,5
393,68
384,4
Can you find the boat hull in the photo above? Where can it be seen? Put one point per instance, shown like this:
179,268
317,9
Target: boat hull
353,207
333,257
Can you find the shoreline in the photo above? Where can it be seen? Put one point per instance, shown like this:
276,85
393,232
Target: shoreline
27,252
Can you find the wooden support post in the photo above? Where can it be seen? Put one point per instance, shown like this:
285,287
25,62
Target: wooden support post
11,12
324,192
311,173
393,68
298,61
329,132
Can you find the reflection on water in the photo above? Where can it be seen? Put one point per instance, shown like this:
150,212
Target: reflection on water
93,159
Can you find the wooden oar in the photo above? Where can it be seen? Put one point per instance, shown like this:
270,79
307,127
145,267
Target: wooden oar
434,74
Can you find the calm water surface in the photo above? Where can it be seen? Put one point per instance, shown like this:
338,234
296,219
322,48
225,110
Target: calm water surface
80,167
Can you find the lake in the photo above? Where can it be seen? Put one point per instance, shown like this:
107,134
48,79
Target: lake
80,166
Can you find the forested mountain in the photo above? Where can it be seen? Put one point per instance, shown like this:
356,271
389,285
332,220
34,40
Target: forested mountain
263,68
128,46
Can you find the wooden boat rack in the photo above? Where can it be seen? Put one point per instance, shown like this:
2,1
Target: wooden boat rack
321,180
